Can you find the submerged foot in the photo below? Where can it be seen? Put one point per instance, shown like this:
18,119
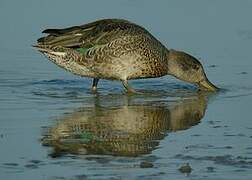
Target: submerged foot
129,89
94,89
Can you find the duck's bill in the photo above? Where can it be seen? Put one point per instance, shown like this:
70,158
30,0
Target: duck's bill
207,86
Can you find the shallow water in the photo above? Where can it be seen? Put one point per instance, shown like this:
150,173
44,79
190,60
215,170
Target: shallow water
53,127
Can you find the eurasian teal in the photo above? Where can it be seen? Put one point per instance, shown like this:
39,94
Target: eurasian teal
117,49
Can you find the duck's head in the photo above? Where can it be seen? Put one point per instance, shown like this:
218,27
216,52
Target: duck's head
187,68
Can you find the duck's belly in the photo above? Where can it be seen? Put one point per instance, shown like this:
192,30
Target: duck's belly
129,67
71,66
120,68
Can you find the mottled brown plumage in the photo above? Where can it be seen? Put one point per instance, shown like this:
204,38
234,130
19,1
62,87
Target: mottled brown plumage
119,50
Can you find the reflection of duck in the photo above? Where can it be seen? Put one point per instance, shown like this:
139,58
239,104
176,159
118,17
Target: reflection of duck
127,130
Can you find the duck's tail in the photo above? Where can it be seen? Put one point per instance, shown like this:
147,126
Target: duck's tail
66,40
51,51
68,37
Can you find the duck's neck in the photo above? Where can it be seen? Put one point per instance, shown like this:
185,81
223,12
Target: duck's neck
171,56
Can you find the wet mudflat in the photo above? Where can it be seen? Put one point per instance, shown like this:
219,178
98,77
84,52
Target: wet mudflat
53,127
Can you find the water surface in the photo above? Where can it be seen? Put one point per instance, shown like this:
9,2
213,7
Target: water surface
53,127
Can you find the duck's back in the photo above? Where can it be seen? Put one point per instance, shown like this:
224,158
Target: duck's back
98,32
112,48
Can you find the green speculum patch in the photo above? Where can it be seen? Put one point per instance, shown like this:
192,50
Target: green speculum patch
82,50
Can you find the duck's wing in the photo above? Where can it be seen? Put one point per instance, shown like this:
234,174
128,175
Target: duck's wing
87,35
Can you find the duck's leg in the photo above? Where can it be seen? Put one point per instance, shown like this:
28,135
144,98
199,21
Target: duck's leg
94,86
127,87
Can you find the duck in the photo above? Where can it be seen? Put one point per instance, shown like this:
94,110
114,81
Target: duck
117,49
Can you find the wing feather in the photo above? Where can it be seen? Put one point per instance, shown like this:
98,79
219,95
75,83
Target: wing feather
94,33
